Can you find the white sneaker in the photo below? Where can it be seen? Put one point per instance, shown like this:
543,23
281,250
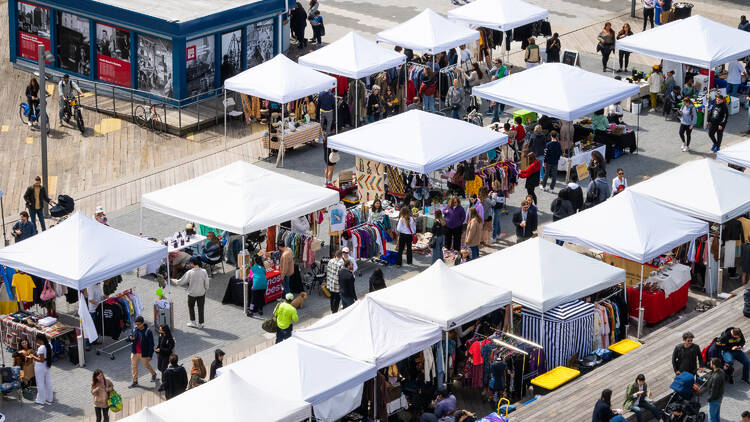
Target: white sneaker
687,148
545,188
682,148
200,326
652,110
192,324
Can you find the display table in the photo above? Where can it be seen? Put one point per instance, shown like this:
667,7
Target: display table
22,325
581,158
657,306
308,132
234,294
153,267
625,141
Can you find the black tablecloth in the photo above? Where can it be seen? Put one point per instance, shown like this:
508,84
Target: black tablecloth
233,294
626,141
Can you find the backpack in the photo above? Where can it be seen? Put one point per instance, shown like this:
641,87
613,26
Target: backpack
704,352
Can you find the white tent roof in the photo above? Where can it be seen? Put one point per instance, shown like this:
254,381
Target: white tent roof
628,225
704,189
145,415
229,398
502,15
369,332
428,32
542,275
352,56
280,80
80,252
737,154
697,41
302,371
557,90
442,296
243,198
418,141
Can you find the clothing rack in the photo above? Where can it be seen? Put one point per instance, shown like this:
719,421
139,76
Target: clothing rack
521,339
615,293
508,346
104,348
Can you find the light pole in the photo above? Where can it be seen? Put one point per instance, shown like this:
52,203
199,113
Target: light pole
43,120
632,8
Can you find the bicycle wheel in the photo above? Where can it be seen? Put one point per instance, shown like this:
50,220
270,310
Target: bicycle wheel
22,114
156,123
79,122
140,116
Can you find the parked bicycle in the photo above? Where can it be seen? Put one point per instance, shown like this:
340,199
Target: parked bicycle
148,117
72,109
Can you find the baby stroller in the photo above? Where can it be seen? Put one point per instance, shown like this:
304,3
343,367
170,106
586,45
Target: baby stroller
684,397
65,205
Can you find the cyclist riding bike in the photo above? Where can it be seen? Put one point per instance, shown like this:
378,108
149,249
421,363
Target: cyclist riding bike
66,89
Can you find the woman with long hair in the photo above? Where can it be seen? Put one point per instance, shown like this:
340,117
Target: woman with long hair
484,197
603,409
376,212
212,250
438,236
377,280
606,44
197,373
406,229
42,365
32,96
474,232
497,201
100,389
164,348
624,32
455,215
259,286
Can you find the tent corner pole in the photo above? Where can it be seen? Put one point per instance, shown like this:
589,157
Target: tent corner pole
281,147
375,398
244,283
406,85
335,112
225,116
640,306
140,220
638,128
445,356
356,103
719,270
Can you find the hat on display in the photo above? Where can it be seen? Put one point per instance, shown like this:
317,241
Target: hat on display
99,209
159,292
345,250
289,296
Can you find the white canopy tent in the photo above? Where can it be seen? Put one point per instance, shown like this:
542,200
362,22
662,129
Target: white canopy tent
502,15
704,189
418,141
305,372
369,332
737,154
542,275
352,56
428,32
280,80
145,415
442,296
229,398
245,198
696,41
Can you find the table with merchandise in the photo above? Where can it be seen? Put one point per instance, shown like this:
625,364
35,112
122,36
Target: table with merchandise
25,325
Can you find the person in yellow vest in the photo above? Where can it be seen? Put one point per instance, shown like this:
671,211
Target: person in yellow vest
286,316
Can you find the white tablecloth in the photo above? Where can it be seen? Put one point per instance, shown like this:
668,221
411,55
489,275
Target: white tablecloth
671,279
153,267
581,158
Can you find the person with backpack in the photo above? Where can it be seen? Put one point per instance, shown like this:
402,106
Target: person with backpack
686,357
598,189
561,207
175,379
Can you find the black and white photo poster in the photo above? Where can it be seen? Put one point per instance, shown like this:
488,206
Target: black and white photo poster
231,54
113,54
200,65
33,30
155,65
259,42
73,43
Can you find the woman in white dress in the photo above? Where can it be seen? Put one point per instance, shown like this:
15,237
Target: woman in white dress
42,365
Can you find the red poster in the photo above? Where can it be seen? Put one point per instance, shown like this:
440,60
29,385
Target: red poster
113,70
275,287
190,54
33,29
113,54
28,45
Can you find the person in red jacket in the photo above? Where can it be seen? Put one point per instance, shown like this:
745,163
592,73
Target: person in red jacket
531,174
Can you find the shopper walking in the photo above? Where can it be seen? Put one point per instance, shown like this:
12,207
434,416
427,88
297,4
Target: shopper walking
526,221
603,409
346,284
35,198
406,229
688,118
531,174
427,90
327,104
42,365
286,265
332,280
196,279
175,378
686,356
532,56
438,236
655,86
619,183
637,401
714,386
100,389
455,215
454,98
666,11
648,12
624,55
717,121
141,350
164,348
474,232
552,154
298,22
487,204
553,48
197,373
374,102
217,363
259,286
606,44
498,199
286,316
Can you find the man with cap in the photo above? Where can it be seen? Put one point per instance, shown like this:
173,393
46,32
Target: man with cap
347,257
197,280
286,316
66,88
286,265
99,215
443,405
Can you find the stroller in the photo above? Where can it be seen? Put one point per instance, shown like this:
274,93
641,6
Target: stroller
64,207
684,397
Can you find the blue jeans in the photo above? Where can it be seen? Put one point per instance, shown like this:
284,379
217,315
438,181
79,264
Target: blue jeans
496,214
437,251
347,301
474,252
37,213
284,334
732,89
454,112
618,418
285,283
428,103
642,407
428,417
730,356
714,407
373,117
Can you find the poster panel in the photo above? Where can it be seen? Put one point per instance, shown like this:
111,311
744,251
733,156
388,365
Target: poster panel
259,42
200,66
73,42
155,65
33,29
231,54
113,54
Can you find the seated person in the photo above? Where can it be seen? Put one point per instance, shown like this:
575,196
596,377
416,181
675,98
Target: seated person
443,405
689,90
549,123
677,413
212,250
178,261
672,100
598,121
614,113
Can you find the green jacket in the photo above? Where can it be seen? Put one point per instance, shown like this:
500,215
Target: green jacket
629,395
285,314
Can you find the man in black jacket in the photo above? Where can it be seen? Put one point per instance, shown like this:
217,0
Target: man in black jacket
175,378
717,121
141,350
576,191
731,342
346,285
35,197
526,221
298,22
687,356
715,388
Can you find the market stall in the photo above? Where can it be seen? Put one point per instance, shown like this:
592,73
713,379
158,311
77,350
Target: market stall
614,139
330,382
78,253
280,80
582,156
630,226
737,154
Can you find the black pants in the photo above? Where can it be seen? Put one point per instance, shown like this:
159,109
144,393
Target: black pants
300,35
316,34
606,51
404,241
192,300
257,300
624,55
335,301
102,414
685,132
648,15
530,191
550,173
715,134
453,238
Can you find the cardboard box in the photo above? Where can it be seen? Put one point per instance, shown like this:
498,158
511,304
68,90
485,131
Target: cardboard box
345,177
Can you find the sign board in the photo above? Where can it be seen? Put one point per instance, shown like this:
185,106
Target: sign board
583,171
570,57
113,54
370,178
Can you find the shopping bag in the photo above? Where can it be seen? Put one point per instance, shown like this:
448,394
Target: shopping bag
269,325
114,401
48,293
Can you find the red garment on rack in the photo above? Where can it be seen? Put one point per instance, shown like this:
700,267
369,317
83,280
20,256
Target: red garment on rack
342,85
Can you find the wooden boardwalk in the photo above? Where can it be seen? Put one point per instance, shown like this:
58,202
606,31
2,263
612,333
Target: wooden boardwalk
575,401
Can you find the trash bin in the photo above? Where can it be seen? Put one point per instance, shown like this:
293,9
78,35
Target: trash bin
682,10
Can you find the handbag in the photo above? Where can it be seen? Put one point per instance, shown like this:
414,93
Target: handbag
414,238
48,293
334,157
269,325
114,401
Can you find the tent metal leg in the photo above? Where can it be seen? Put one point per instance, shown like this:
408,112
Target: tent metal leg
244,283
638,128
375,398
406,85
641,311
356,103
279,157
225,117
719,269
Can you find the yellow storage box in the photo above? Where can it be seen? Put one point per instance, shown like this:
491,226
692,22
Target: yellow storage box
555,378
625,346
